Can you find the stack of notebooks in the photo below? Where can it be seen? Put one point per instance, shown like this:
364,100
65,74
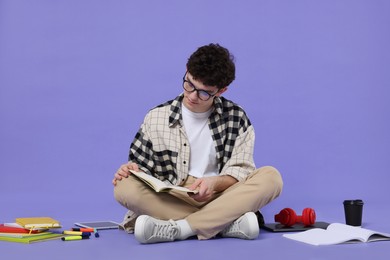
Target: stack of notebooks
29,230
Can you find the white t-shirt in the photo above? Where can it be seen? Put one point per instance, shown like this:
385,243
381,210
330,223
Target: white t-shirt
203,160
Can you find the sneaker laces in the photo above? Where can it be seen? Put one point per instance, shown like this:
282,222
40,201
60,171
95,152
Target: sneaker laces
245,227
167,230
233,229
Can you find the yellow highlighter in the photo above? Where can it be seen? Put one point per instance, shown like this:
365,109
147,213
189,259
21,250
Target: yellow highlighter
72,238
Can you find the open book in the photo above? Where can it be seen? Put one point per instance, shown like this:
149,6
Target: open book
337,233
157,185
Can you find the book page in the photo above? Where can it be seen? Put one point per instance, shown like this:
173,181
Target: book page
158,185
337,233
154,183
363,234
318,236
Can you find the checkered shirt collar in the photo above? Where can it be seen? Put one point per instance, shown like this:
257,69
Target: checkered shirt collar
175,115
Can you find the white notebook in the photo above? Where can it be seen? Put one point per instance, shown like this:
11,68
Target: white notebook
337,233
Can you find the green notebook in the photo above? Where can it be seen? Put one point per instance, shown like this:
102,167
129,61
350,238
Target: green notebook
26,239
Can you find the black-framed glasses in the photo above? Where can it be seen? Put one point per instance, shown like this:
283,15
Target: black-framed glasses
202,94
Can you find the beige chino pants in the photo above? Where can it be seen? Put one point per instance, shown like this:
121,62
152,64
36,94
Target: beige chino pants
206,219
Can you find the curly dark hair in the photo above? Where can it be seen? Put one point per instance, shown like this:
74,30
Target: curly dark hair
213,65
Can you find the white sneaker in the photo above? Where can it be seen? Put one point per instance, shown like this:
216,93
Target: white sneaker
150,230
245,227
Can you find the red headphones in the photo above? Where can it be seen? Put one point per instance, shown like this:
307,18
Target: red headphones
288,217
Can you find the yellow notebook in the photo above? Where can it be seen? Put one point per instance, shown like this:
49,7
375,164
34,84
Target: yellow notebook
39,222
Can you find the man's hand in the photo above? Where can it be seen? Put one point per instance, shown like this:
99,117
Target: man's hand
208,186
124,171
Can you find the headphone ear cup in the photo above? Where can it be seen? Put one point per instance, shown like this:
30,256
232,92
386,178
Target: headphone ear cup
308,216
287,217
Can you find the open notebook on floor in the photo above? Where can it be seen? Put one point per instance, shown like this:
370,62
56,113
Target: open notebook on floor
337,233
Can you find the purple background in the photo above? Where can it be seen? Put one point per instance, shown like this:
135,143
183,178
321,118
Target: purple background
77,77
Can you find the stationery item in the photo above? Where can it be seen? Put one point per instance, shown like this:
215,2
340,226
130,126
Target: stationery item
84,229
20,235
338,233
76,233
38,222
30,238
72,238
99,225
15,228
157,185
94,230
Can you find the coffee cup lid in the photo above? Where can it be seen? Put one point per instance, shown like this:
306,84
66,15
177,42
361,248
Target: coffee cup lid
353,202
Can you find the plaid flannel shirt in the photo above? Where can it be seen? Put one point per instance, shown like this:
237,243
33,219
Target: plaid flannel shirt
161,147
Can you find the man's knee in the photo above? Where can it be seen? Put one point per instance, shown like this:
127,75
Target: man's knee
119,191
273,177
129,192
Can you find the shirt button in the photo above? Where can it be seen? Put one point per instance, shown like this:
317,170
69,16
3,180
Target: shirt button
185,144
184,162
